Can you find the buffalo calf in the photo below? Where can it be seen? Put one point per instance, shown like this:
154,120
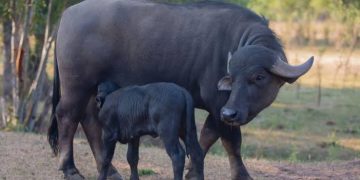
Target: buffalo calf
158,109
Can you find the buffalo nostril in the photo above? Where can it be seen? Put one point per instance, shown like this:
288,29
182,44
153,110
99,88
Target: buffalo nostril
228,114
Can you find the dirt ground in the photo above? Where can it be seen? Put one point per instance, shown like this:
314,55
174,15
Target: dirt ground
28,156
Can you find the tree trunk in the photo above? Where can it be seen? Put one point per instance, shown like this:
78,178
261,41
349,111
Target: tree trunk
7,59
3,115
36,87
7,74
14,49
37,124
19,60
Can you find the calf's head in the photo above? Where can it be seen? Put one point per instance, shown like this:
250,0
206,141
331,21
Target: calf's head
103,90
254,77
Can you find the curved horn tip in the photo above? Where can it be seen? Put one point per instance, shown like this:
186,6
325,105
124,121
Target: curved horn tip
311,60
309,63
285,70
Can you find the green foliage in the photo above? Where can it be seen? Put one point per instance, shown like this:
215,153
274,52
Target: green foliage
39,17
336,10
343,11
146,172
4,9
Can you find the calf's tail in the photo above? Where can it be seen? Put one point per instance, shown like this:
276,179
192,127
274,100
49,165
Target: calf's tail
53,129
190,127
191,142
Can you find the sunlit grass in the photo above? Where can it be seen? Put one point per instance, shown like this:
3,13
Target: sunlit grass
352,143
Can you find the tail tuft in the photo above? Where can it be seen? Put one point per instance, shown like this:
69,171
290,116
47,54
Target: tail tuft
53,135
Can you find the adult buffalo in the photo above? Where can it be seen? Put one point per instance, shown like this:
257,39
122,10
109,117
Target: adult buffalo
224,55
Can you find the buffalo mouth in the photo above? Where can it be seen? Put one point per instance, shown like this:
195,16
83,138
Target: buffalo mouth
234,118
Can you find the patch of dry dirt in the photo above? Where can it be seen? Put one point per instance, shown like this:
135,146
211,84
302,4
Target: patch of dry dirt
28,156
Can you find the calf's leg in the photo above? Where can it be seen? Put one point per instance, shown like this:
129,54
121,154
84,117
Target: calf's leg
133,158
169,136
177,156
108,153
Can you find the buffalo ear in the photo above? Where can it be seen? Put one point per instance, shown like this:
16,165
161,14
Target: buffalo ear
224,84
99,101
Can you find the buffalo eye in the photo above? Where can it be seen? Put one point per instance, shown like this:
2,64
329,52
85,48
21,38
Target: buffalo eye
259,77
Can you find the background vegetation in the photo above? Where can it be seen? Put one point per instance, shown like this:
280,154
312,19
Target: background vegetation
314,119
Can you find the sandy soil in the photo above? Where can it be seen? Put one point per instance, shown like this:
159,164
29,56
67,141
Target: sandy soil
28,156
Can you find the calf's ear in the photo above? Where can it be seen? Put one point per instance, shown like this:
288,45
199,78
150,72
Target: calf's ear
224,84
99,101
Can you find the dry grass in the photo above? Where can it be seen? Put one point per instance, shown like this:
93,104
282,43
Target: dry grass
28,156
351,143
335,72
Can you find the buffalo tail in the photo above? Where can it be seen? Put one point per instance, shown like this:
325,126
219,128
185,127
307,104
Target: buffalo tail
53,133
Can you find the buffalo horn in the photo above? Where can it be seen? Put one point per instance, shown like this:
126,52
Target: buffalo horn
285,70
228,63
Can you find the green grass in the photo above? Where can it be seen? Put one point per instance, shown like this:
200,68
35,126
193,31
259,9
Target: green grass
296,129
146,172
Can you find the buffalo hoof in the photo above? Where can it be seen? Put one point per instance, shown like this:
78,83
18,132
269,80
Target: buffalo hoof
114,175
73,174
190,175
247,177
191,178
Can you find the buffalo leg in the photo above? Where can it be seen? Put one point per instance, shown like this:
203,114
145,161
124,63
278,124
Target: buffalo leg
231,139
108,153
208,136
69,112
92,129
177,156
174,149
133,158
